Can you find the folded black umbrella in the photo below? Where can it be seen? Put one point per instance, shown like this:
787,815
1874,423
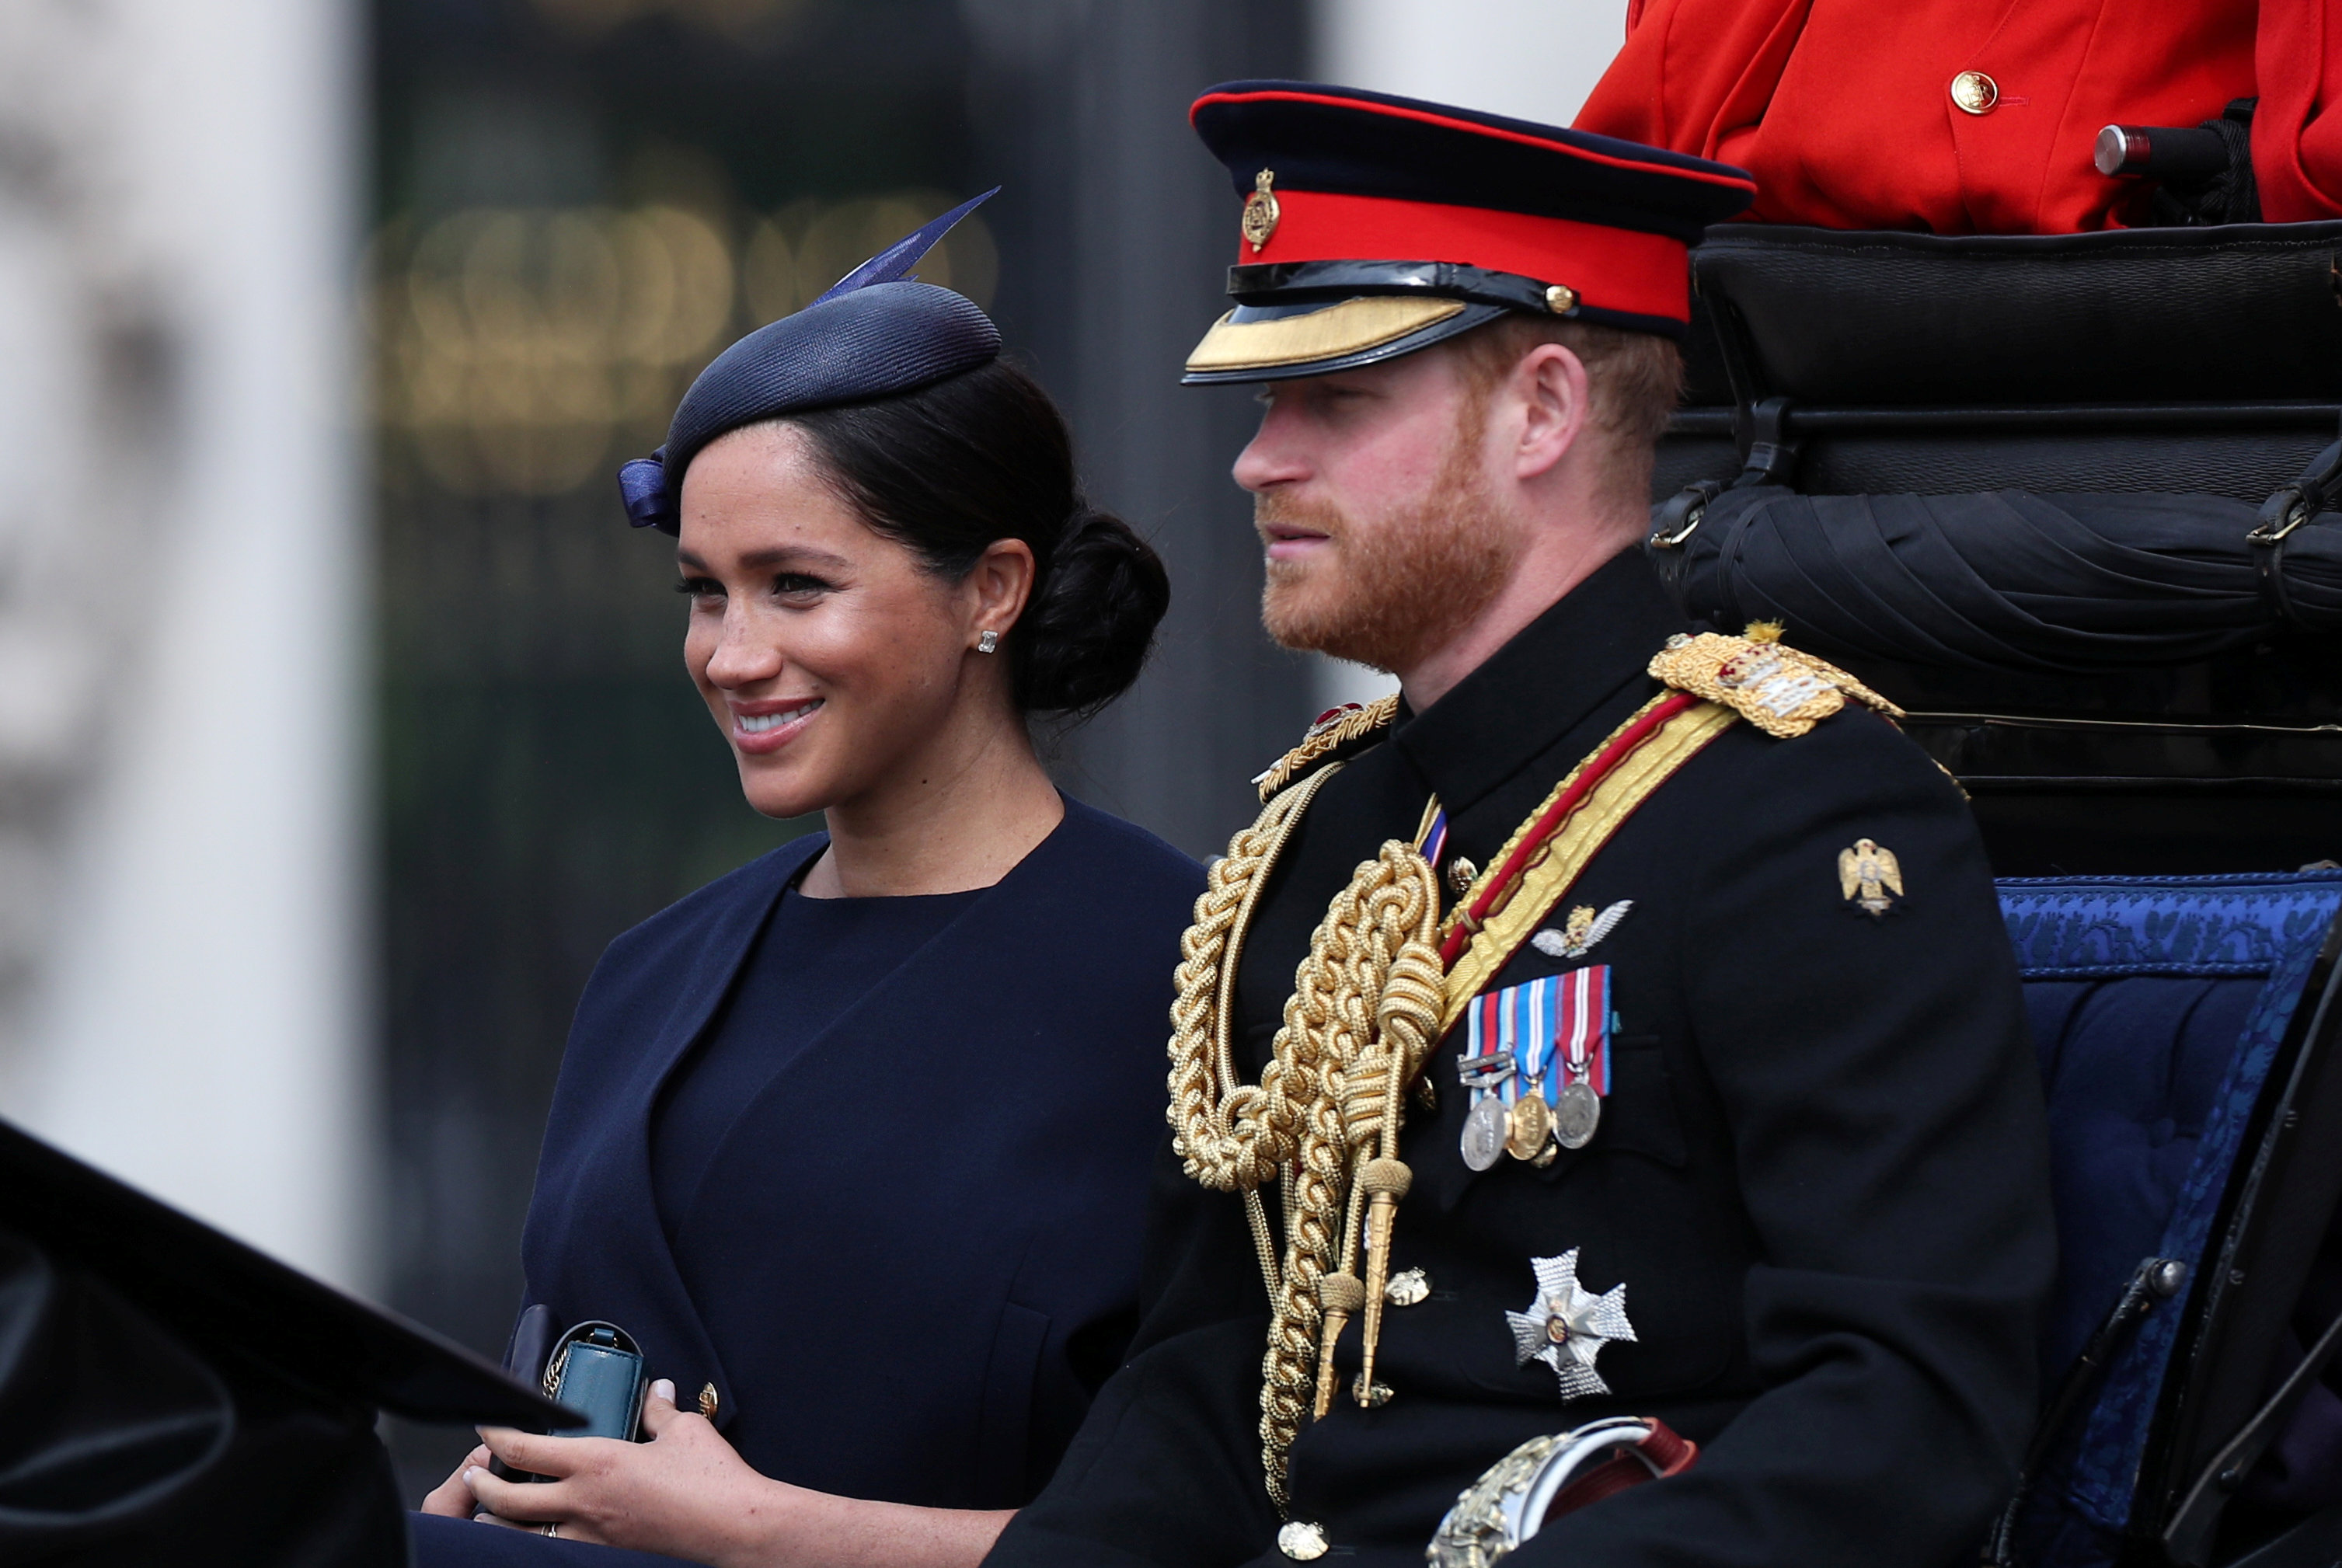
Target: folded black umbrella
2010,579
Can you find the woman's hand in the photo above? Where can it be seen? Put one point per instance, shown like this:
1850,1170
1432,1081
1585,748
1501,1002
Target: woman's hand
686,1493
451,1497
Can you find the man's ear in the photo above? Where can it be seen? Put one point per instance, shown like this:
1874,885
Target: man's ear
1551,383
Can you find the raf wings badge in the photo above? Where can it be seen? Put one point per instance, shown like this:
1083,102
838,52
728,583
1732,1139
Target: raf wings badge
1581,930
1566,1325
1870,878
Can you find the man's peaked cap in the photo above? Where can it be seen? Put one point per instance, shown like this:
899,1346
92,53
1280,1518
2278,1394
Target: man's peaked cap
1374,225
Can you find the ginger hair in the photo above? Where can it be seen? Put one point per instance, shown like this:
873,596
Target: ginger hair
1635,381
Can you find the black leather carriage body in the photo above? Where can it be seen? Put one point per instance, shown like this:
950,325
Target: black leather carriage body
2197,369
1924,444
2198,359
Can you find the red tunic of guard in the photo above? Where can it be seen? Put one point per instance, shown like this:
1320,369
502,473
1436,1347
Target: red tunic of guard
1940,116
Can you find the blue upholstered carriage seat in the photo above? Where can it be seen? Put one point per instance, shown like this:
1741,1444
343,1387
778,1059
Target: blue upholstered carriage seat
2157,1007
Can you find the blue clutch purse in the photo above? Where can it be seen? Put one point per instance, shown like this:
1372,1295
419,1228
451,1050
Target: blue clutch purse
595,1369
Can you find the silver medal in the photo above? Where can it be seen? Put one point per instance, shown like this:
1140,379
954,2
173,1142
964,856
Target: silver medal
1577,1115
1483,1132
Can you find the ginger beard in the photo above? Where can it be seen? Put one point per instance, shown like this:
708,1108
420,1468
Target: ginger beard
1388,591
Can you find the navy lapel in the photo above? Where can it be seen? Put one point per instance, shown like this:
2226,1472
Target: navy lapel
702,991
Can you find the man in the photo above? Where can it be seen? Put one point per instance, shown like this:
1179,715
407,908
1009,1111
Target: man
1619,1023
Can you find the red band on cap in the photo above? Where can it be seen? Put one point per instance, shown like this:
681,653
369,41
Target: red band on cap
1611,269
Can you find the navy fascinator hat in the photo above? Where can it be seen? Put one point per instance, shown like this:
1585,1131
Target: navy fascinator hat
875,331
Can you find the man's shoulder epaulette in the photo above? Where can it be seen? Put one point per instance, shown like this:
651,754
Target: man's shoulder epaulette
1335,729
1773,686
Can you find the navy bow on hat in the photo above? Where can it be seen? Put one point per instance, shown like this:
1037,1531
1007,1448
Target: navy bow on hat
876,331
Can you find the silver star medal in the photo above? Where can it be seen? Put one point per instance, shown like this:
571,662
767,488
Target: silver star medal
1568,1325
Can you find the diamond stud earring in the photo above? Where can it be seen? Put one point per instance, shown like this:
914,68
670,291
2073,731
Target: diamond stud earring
987,642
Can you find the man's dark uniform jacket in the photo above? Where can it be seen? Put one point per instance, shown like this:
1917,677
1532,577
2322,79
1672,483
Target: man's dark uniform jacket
1820,1172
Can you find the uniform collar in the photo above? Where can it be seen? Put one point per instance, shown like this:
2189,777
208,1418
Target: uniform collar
1551,677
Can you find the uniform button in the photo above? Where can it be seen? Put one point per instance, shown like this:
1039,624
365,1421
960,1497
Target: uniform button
708,1401
1974,92
1302,1541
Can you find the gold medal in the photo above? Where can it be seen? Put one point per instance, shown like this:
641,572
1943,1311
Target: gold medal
1532,1124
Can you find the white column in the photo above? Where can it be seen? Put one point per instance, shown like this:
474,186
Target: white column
1532,59
190,1012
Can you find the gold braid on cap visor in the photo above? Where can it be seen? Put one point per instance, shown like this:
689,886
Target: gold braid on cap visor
1351,326
1324,1122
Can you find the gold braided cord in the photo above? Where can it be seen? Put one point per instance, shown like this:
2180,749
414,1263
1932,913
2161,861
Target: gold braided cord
1230,1135
1218,1122
1365,1009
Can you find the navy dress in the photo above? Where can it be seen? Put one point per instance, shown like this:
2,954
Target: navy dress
870,1169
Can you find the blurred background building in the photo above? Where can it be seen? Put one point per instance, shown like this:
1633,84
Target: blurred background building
342,719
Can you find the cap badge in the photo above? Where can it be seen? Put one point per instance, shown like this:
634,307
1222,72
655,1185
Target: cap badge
1870,876
1260,209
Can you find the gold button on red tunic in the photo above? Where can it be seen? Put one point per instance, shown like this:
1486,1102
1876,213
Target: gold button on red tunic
1974,92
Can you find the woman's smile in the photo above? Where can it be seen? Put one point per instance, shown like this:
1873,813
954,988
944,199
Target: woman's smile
767,726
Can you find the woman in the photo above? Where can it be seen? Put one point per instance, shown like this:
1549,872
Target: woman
854,1141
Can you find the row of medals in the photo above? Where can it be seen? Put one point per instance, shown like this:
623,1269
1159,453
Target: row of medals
1528,1128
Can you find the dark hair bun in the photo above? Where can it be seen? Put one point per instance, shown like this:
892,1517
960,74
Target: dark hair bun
981,456
1087,631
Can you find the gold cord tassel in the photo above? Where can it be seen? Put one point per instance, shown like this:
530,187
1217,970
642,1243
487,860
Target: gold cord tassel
1386,1182
1341,1295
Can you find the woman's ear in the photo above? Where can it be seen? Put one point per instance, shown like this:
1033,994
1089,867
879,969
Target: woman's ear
999,585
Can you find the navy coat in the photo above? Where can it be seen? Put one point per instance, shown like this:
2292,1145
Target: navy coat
918,1254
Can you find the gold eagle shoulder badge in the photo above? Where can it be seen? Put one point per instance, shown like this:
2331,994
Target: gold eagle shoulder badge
1334,729
1773,686
1869,876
